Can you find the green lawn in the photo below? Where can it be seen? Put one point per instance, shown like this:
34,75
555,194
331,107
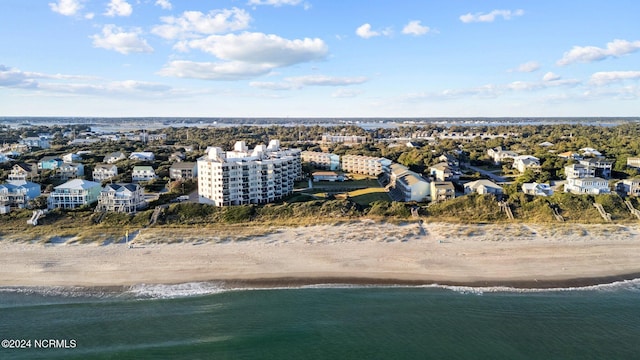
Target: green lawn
369,195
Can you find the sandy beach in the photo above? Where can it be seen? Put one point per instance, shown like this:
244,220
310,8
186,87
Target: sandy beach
362,252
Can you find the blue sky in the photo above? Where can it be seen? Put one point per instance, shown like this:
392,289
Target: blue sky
319,58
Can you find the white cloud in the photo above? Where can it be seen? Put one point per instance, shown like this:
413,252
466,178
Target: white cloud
89,16
259,48
232,70
165,4
365,32
193,23
586,54
490,17
274,2
66,7
115,38
550,77
415,28
346,93
299,82
527,67
608,77
118,8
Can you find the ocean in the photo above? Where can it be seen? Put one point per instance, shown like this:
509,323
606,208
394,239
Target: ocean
207,321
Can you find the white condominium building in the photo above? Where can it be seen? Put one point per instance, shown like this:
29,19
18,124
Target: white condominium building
321,160
242,177
367,165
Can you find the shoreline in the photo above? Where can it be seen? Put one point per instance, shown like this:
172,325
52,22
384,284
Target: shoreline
363,253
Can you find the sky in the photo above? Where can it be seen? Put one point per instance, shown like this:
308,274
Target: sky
319,58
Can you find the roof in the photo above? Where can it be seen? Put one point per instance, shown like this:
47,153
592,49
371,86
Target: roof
482,182
184,165
116,154
441,166
105,166
50,158
24,166
142,168
324,173
78,184
412,178
443,184
122,187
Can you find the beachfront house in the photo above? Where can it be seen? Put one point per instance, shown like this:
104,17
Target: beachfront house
321,160
124,198
104,172
18,193
482,186
73,194
406,185
537,189
441,172
629,187
601,166
183,171
442,191
68,171
587,185
142,156
114,157
142,173
526,162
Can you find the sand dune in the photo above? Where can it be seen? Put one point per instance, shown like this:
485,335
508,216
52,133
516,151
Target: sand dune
360,252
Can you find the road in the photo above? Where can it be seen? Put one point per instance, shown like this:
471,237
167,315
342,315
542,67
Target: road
489,174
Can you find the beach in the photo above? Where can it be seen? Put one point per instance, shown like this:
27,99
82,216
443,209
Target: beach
359,252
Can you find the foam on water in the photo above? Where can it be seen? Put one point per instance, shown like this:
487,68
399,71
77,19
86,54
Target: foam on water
170,291
625,285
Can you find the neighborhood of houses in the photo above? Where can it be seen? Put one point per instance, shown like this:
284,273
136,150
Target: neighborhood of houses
268,173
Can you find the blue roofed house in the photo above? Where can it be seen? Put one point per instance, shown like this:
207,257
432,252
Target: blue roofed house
73,194
49,163
18,193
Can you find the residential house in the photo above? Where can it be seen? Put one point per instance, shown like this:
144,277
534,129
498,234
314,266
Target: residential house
482,186
577,171
587,185
83,141
114,157
22,171
498,154
321,160
442,191
441,172
18,193
526,162
406,185
633,162
49,163
545,144
142,156
452,160
587,151
142,173
327,176
367,165
537,189
629,187
71,157
36,141
68,171
104,172
570,155
183,171
4,158
177,156
124,198
602,167
73,194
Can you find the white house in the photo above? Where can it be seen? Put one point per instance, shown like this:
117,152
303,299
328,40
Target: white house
124,198
321,160
587,185
629,187
577,171
38,141
22,171
587,151
633,162
441,172
114,157
70,171
183,171
537,189
482,186
442,191
327,176
104,172
367,165
407,185
71,157
73,194
142,156
499,155
142,173
525,162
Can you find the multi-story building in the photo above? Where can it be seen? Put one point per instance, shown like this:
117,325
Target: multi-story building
442,191
343,139
587,185
526,162
68,171
366,165
36,141
114,157
482,186
537,189
241,176
321,160
441,172
602,167
73,194
183,171
18,193
142,173
104,172
406,185
633,162
49,163
124,198
629,187
22,171
577,171
498,154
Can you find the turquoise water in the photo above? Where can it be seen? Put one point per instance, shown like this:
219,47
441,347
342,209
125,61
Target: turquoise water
201,322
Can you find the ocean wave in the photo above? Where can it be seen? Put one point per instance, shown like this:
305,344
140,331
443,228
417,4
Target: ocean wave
171,291
624,285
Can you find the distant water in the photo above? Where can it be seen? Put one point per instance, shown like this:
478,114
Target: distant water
202,321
